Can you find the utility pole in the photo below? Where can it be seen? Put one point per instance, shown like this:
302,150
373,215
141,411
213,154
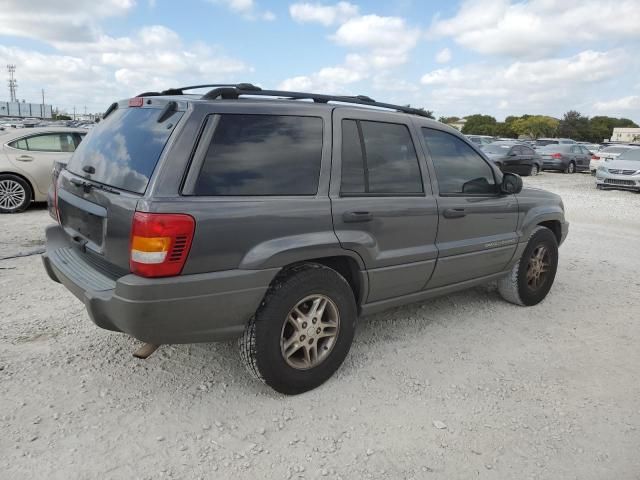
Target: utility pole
13,84
43,103
74,112
85,110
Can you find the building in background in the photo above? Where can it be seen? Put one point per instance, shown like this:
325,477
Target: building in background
25,110
625,135
458,124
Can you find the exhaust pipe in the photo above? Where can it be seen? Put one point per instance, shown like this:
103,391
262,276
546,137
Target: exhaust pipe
145,351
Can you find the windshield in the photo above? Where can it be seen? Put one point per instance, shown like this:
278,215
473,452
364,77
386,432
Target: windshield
632,154
614,150
496,148
542,143
124,148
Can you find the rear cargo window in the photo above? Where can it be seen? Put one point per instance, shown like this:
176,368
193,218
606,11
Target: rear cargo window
124,148
262,155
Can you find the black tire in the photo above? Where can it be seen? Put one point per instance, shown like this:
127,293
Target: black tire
515,287
571,168
260,346
14,185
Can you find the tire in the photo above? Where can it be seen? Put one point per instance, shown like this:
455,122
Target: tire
15,194
515,287
571,168
263,345
534,170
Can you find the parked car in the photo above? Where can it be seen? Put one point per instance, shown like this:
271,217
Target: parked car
27,160
607,153
622,172
543,142
196,219
481,139
592,147
514,157
567,158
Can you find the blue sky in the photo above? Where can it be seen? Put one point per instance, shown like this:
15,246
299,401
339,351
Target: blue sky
499,57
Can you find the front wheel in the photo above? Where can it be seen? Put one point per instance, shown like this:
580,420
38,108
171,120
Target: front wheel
532,276
303,330
534,170
571,168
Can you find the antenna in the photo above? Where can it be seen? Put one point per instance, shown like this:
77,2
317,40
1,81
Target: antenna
13,83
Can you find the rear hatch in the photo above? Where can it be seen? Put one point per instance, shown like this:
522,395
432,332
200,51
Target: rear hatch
109,173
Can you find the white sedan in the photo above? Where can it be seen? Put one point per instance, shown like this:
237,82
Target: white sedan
605,154
26,163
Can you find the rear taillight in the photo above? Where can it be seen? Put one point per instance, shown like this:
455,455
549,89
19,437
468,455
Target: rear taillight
556,155
595,157
53,208
160,243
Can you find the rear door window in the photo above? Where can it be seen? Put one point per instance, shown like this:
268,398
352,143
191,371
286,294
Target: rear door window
125,147
262,155
379,158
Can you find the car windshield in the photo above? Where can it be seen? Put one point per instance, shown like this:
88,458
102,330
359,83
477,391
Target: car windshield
496,148
614,150
542,143
632,154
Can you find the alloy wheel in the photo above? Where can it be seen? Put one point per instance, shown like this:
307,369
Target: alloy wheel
310,332
12,194
538,267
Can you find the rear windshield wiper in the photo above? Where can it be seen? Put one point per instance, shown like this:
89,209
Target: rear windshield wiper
89,185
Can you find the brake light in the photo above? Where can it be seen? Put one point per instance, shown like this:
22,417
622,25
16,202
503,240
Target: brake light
53,209
595,157
160,243
136,101
556,155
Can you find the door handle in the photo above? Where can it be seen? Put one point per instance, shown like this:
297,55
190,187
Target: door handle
24,158
352,217
454,213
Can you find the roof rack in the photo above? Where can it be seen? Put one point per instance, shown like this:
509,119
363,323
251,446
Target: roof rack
235,91
231,91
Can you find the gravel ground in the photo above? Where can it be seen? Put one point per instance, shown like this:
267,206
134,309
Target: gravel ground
466,386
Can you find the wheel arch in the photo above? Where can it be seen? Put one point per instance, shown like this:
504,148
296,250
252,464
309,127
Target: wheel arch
22,177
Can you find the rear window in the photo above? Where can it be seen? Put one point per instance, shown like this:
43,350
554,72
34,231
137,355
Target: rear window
542,143
614,150
262,155
631,154
496,148
555,148
124,148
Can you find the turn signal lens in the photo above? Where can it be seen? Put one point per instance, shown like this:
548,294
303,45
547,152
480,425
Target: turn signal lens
160,243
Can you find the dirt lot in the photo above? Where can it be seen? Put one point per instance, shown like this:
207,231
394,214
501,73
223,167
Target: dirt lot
465,386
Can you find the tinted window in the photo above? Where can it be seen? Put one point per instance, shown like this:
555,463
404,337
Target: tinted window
555,148
459,169
614,150
52,142
517,150
21,144
527,151
125,147
542,143
631,154
475,140
262,155
497,148
392,163
352,159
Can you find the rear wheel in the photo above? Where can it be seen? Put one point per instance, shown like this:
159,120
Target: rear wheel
534,170
15,194
303,331
571,168
532,276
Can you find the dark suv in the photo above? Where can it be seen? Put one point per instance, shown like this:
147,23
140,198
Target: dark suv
280,217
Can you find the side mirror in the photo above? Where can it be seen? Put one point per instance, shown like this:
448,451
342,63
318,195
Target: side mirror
513,154
511,183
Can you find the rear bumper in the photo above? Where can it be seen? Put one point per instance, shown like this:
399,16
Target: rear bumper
185,309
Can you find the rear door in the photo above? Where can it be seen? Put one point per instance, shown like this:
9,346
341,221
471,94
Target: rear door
577,156
382,204
477,228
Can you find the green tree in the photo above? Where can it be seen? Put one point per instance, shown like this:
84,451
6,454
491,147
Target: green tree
574,125
479,124
448,119
427,113
601,127
535,126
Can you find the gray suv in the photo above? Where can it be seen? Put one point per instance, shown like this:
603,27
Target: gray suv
280,217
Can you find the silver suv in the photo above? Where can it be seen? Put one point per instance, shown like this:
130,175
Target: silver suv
279,218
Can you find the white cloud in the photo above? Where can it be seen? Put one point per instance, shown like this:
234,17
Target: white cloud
536,28
619,105
246,8
443,56
534,86
326,15
63,20
98,72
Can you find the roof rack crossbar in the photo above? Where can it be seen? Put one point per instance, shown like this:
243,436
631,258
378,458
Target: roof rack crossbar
181,90
233,92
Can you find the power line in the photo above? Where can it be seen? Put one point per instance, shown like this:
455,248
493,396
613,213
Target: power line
13,83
